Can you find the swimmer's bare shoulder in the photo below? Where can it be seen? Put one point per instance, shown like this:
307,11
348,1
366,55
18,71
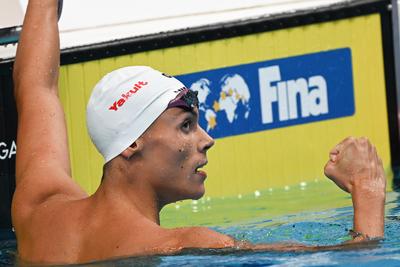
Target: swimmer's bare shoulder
202,237
174,241
182,239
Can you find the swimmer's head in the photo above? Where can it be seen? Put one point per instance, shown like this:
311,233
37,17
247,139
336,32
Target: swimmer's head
127,101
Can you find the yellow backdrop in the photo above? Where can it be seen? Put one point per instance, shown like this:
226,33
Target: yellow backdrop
256,161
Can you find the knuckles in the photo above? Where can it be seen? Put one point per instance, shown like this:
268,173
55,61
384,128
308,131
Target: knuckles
363,140
352,154
349,140
359,145
356,164
354,140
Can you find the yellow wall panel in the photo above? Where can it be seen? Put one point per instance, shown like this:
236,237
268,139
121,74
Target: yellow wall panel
259,160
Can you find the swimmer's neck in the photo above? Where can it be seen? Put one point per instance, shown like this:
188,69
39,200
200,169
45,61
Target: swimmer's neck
135,197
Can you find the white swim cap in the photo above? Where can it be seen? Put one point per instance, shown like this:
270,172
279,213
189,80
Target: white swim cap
124,104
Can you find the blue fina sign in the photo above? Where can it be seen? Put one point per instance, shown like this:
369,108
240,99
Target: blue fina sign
272,94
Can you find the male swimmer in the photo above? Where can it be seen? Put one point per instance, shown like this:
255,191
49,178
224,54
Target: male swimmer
145,124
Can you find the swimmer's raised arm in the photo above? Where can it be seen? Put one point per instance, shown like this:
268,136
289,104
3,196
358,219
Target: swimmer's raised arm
356,168
42,164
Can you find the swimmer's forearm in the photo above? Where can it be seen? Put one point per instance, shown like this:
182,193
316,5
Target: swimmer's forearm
42,140
200,237
34,69
369,213
298,247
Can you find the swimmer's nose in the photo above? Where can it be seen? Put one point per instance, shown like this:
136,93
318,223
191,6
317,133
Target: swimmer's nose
207,141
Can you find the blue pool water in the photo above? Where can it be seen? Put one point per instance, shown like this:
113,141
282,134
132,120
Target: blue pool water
317,226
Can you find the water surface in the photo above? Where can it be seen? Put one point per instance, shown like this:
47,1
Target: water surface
314,213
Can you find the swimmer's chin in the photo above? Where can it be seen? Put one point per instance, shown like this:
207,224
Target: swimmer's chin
197,197
199,194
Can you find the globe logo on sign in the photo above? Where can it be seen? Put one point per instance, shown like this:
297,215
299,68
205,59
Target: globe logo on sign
231,103
276,93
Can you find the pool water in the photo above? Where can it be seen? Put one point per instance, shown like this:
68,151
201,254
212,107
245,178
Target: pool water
315,213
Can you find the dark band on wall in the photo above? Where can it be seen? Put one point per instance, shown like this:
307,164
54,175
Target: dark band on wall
222,31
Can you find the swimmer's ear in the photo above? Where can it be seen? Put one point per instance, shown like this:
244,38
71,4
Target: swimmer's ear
132,150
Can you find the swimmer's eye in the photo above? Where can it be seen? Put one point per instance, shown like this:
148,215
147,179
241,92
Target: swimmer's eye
187,125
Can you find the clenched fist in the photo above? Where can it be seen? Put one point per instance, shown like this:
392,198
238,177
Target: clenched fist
355,165
356,168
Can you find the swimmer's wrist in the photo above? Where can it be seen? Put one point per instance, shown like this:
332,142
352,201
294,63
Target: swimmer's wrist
45,4
368,203
369,211
366,191
360,236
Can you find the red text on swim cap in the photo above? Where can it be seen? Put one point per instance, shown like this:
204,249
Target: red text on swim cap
127,95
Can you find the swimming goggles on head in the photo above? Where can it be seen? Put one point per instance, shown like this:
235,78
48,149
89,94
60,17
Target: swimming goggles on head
186,99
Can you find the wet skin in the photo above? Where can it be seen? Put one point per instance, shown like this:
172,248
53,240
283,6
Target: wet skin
173,153
57,222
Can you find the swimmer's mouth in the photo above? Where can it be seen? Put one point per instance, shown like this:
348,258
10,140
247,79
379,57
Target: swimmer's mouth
198,168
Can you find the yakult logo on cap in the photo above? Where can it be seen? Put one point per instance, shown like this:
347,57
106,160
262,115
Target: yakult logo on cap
124,97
